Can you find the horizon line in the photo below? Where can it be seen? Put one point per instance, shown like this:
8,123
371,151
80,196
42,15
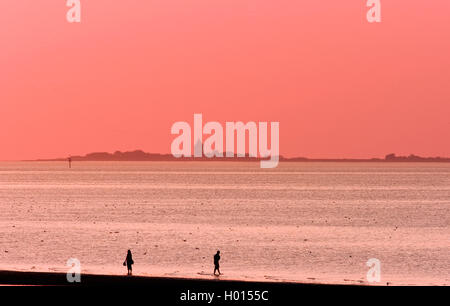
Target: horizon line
140,155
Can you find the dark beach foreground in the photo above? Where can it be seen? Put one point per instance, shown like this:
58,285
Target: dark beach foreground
182,291
173,290
60,279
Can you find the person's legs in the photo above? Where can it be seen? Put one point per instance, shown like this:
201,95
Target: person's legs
216,268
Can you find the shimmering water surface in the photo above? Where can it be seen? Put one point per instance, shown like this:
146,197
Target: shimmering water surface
304,222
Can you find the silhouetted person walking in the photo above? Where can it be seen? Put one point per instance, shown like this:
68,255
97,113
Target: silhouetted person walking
216,262
128,262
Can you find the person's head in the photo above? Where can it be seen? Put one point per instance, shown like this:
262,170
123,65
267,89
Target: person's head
218,252
129,252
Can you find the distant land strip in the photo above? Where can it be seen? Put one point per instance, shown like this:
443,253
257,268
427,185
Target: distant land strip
139,155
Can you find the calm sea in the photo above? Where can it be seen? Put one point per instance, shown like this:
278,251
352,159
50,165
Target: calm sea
305,222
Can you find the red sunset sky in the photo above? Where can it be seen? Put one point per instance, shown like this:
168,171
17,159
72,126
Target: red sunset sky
338,85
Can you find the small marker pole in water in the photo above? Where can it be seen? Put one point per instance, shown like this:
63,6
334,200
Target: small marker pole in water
70,162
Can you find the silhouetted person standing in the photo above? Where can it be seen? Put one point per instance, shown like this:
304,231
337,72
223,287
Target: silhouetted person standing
216,262
128,262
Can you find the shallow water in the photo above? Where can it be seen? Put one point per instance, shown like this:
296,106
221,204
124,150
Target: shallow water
305,222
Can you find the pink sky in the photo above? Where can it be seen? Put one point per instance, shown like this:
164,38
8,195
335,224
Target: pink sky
339,86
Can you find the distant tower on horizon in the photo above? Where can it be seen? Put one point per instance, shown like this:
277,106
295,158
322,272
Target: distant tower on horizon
198,148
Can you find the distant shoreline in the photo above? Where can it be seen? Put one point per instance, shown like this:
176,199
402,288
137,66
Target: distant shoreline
139,155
